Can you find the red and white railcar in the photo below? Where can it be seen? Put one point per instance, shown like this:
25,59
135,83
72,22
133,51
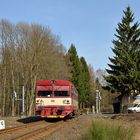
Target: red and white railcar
56,98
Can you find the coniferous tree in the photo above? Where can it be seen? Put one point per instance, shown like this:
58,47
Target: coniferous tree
124,71
74,65
85,81
80,75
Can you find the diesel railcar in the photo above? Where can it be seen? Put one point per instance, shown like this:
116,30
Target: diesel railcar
56,99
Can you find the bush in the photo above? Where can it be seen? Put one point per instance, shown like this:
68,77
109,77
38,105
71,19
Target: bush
106,130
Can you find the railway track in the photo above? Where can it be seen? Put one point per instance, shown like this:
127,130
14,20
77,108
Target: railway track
30,131
40,132
34,130
12,129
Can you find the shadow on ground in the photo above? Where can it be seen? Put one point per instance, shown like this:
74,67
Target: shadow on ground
29,119
37,118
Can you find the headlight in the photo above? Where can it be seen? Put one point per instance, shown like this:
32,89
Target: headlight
66,102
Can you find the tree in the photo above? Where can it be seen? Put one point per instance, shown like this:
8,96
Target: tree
84,83
80,76
77,74
7,66
92,96
124,68
27,53
74,65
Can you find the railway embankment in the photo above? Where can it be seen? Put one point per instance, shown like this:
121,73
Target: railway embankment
77,128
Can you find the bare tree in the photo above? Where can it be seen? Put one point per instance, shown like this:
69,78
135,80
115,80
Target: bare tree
28,53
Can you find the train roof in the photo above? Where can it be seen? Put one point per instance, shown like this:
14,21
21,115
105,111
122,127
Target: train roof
50,82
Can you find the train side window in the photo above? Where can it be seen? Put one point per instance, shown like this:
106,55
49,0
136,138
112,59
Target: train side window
44,93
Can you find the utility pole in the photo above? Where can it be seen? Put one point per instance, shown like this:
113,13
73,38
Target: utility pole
97,99
21,99
23,107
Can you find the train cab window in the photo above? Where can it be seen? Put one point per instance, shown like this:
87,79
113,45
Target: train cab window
61,93
44,93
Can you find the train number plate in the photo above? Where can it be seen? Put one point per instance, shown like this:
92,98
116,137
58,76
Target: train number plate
52,100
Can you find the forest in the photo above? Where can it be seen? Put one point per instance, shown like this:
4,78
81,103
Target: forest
31,52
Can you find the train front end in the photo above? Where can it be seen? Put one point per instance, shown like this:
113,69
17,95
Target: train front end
53,100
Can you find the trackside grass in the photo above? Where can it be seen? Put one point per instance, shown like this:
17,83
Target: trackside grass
109,130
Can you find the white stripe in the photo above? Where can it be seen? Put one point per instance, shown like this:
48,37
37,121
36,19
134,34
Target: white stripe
53,101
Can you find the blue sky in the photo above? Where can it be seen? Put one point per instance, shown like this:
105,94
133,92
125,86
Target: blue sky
88,24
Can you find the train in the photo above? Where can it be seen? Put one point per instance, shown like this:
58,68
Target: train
56,99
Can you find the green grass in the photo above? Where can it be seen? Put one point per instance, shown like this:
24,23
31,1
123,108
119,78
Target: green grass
108,130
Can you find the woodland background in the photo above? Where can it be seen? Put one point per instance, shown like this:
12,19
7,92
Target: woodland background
31,52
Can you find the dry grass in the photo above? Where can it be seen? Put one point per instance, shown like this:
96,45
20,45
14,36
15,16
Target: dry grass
104,129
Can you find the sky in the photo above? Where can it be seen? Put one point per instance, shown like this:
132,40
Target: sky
88,24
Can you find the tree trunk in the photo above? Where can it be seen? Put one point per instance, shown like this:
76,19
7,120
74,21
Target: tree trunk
4,92
13,98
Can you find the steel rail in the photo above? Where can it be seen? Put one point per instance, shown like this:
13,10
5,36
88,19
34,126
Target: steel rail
12,129
40,132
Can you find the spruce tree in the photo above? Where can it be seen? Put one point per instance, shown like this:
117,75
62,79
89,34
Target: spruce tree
124,68
74,65
86,79
80,75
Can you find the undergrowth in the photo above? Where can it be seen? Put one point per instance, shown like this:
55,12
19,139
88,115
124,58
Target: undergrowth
109,130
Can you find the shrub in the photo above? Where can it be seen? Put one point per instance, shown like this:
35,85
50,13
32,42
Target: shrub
108,130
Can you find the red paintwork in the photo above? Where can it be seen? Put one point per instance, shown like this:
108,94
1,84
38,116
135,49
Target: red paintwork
58,88
43,83
42,88
47,111
56,82
62,87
